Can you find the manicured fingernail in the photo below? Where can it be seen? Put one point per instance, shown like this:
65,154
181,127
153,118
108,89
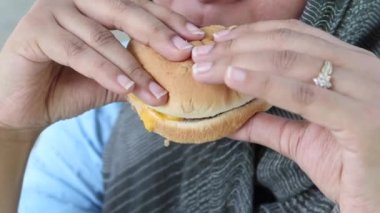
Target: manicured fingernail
193,29
236,74
125,82
221,34
181,44
202,50
157,90
202,67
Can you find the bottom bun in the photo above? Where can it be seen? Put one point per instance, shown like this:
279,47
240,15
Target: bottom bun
209,129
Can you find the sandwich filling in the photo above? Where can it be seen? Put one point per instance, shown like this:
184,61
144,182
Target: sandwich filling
149,115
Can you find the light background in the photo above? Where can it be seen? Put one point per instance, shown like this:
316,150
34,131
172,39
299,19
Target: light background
10,13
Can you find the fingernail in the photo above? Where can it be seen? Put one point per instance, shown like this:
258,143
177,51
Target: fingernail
194,30
221,34
181,44
202,67
125,82
236,74
157,90
202,50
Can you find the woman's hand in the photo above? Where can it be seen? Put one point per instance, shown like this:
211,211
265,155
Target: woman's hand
338,145
62,58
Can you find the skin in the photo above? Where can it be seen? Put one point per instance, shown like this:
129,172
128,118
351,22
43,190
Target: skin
338,143
61,60
207,12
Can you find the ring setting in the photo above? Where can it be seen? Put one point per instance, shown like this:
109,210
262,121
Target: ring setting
324,77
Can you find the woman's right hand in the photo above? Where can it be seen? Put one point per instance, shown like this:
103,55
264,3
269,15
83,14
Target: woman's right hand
62,59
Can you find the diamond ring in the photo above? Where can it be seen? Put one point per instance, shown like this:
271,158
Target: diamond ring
324,78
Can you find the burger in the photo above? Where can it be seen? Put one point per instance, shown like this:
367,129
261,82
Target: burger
195,112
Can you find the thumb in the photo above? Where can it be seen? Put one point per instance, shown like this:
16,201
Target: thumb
279,134
311,146
300,141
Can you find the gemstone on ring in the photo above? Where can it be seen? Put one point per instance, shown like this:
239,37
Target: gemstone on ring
324,77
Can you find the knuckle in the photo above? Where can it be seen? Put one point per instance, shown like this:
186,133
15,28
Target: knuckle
249,131
103,65
35,19
74,47
101,36
304,95
284,60
265,86
169,15
31,50
99,67
136,72
133,70
120,8
230,45
281,36
173,15
118,5
141,2
292,141
289,140
157,28
29,19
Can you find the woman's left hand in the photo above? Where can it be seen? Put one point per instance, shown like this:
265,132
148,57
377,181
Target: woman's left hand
338,144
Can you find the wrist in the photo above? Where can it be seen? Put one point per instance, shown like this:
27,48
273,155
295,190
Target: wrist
8,135
15,146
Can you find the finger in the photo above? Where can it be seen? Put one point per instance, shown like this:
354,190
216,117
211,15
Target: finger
67,49
291,65
139,24
292,24
287,40
273,132
104,42
309,145
174,20
321,106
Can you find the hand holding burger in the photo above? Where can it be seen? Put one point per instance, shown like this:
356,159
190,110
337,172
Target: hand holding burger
337,144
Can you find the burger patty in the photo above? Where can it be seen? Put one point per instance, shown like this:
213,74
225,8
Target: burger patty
199,119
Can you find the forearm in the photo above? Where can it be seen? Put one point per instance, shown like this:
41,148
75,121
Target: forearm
15,147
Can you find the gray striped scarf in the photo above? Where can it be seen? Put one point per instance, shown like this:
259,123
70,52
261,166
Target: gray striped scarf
141,175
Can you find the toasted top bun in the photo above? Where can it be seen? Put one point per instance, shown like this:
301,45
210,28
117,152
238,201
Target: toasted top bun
187,98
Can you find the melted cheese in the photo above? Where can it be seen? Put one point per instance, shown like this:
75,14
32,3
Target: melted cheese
149,115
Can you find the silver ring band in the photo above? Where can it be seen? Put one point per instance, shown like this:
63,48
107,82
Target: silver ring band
324,77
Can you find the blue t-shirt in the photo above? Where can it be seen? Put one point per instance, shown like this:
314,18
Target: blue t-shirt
64,171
